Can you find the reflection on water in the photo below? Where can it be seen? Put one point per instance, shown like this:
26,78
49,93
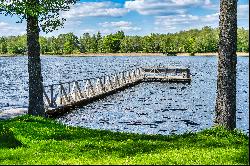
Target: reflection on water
152,108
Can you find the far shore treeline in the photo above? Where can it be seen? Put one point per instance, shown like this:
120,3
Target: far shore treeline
191,41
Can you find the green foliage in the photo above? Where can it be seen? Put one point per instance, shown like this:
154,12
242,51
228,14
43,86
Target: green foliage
7,138
48,142
17,44
192,41
131,44
69,42
13,45
112,43
46,10
243,40
88,43
3,45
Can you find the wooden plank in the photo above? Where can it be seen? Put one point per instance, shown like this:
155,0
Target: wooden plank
99,86
46,96
123,78
109,84
89,88
64,96
76,92
51,96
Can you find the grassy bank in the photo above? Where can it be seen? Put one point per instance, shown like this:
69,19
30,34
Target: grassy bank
35,140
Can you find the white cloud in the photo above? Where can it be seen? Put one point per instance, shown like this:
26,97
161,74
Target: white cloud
116,24
243,12
208,5
7,29
243,16
176,23
163,7
94,9
3,25
120,25
170,16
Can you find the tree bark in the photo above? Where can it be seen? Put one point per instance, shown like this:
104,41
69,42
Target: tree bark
226,82
36,103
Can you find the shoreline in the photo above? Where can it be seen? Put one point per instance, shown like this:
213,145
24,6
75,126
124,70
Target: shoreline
240,54
143,54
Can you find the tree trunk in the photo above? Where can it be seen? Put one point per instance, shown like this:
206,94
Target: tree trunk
36,104
226,82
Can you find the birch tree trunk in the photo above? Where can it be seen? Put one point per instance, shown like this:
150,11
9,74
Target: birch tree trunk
226,82
36,103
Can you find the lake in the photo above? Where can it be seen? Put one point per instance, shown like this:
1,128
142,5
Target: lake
149,108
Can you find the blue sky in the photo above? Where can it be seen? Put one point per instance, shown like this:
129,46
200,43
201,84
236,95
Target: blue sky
135,17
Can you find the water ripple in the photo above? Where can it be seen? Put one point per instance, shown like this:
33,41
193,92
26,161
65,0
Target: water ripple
150,108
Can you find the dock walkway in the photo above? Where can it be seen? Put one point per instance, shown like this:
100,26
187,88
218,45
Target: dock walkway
63,97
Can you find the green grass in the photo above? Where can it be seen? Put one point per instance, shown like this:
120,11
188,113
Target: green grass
35,140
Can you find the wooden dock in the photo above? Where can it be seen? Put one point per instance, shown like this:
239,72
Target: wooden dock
63,97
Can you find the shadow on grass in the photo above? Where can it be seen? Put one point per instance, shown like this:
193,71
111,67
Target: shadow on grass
242,157
46,129
122,144
213,138
7,138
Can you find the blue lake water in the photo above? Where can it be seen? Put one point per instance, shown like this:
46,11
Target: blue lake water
151,108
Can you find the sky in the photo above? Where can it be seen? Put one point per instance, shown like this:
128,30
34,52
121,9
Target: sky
134,17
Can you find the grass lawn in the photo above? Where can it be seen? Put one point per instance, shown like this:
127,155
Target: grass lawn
35,140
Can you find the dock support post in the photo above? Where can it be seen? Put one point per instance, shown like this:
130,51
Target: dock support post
89,89
99,86
51,104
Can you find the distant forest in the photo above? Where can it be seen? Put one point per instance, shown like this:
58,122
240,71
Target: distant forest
191,41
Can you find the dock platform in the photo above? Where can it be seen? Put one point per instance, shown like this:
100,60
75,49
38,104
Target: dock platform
63,97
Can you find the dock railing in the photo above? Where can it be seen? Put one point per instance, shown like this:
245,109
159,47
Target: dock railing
69,94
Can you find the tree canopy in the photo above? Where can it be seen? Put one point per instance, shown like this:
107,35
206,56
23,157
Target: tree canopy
191,41
48,11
